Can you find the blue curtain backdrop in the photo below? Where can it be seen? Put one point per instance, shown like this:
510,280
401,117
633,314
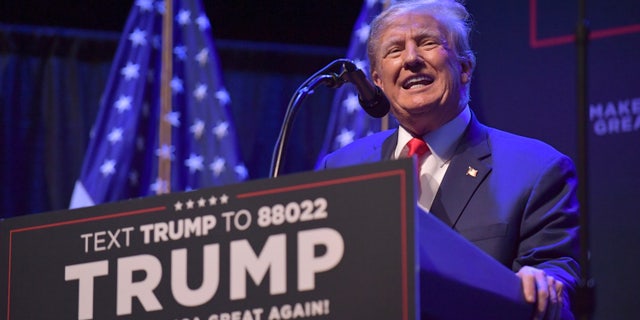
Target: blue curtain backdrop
50,85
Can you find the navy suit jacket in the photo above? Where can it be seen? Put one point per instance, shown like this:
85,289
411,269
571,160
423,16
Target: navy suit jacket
520,207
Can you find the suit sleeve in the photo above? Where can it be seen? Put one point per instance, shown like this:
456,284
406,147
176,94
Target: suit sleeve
549,230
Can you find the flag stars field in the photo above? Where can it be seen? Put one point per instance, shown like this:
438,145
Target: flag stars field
108,167
138,38
351,103
202,57
223,97
241,171
203,22
166,152
345,137
221,130
123,103
176,85
197,129
173,118
180,52
217,166
126,132
131,71
348,120
184,17
194,162
115,135
200,92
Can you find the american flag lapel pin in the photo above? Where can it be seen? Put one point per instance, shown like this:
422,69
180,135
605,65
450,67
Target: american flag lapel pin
473,172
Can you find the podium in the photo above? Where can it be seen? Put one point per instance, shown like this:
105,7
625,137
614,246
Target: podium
338,244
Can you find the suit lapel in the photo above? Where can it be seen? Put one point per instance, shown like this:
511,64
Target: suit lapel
389,146
466,172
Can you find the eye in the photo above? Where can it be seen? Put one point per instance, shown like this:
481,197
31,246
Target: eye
393,51
429,43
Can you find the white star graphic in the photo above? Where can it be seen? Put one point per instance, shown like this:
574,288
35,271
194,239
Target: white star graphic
178,206
123,103
108,167
223,96
115,135
194,162
166,152
203,22
197,128
173,118
351,103
176,85
130,71
202,57
213,201
200,92
221,130
202,202
138,37
217,166
224,199
345,137
183,17
190,204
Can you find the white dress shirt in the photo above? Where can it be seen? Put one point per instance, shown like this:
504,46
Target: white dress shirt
433,165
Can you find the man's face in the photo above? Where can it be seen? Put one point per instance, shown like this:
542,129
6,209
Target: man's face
419,73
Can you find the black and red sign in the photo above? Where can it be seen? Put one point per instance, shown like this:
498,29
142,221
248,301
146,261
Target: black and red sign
336,244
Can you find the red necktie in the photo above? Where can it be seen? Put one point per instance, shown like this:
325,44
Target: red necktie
417,147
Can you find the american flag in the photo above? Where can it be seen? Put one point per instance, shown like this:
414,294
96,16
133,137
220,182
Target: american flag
122,158
348,121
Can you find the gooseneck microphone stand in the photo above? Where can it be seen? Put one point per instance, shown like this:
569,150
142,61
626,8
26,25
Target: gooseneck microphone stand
331,76
585,300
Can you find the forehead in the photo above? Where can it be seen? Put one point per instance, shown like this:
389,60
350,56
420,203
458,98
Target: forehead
411,24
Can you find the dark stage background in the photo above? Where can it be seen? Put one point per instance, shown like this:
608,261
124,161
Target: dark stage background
55,57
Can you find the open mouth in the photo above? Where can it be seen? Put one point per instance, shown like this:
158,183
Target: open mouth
417,81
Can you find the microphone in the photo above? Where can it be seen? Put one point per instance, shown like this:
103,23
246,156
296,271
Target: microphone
333,75
370,96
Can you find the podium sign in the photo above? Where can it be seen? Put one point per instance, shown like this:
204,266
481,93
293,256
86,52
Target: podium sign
337,244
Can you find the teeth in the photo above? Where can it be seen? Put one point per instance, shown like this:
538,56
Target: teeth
418,80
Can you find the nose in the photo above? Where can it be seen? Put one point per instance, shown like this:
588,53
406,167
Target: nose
412,58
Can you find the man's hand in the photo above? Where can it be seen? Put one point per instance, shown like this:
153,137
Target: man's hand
542,289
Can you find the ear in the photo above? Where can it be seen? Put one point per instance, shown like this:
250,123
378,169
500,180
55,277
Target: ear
466,68
376,79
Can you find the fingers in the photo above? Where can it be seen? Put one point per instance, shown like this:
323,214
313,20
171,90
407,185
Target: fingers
559,288
527,277
551,288
543,290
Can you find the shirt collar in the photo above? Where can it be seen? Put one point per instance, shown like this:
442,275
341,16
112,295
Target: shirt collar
442,142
